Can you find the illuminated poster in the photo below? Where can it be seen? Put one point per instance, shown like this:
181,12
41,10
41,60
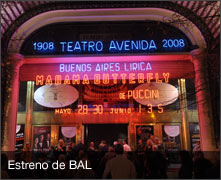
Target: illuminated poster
171,140
194,134
171,137
68,134
19,137
143,132
41,138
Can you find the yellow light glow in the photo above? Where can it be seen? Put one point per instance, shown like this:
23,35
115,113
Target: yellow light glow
152,115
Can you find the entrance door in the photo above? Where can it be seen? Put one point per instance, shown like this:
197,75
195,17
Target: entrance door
107,132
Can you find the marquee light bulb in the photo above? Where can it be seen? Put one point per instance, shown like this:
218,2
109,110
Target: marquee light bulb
152,115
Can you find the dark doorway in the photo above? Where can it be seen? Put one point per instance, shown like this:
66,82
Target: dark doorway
108,132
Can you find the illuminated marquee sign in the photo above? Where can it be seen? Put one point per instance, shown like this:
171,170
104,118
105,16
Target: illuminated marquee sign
113,38
105,67
112,46
152,92
98,109
106,38
104,73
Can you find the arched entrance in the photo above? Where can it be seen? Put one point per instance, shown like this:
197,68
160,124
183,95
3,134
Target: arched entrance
155,14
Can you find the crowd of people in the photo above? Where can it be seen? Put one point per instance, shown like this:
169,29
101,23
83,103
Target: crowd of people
149,160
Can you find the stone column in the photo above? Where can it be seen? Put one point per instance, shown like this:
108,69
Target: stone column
207,135
29,110
11,95
185,123
54,135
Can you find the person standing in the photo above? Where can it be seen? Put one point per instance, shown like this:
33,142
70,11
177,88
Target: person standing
186,168
152,137
127,148
119,167
197,147
91,147
149,146
110,154
201,166
159,144
81,146
61,146
140,146
148,157
140,157
92,155
115,143
103,148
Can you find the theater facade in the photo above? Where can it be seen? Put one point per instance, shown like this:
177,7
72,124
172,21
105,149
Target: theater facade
95,74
